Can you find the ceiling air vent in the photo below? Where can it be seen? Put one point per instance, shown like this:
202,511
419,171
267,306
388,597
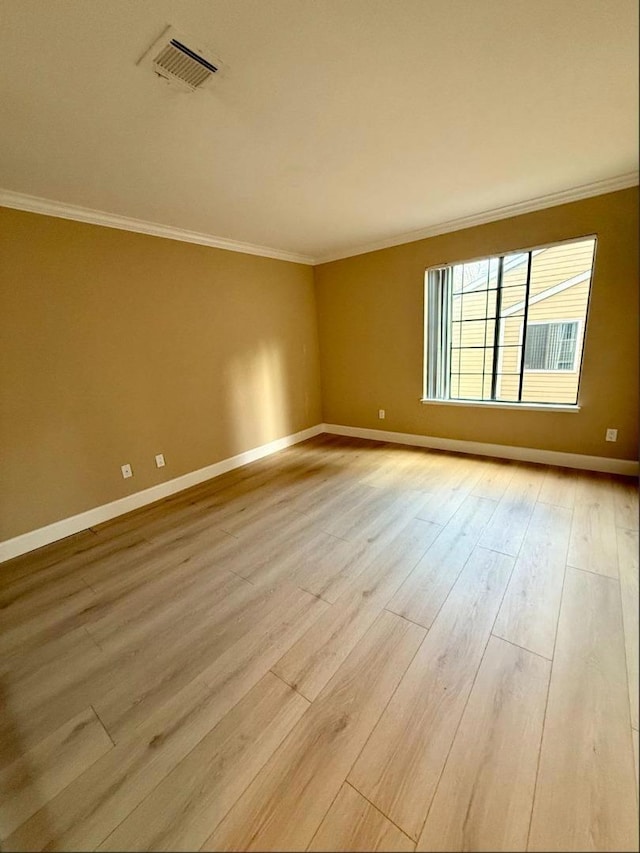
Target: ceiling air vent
180,61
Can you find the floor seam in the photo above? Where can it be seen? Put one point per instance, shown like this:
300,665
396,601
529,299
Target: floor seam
546,704
379,810
518,646
99,718
473,683
292,686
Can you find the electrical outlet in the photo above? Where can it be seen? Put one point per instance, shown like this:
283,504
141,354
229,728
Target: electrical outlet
612,435
126,471
381,414
160,460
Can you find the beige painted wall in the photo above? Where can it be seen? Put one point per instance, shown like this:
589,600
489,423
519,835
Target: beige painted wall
116,346
370,311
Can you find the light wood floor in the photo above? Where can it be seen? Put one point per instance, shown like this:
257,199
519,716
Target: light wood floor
345,646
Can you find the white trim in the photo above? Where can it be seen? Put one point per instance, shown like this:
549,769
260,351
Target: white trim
48,207
504,404
502,451
62,210
610,185
67,526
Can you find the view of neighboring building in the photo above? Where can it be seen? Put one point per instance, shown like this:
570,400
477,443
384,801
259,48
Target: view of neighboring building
487,363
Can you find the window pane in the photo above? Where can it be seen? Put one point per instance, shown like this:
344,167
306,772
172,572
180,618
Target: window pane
554,342
559,296
487,384
551,346
567,349
550,388
475,274
507,386
535,355
471,360
511,332
477,305
488,365
457,278
514,269
509,359
475,333
513,301
549,285
456,308
494,264
470,386
558,266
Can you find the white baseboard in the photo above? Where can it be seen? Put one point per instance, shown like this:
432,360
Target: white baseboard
628,467
67,526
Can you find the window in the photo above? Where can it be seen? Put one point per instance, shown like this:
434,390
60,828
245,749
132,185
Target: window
509,328
551,346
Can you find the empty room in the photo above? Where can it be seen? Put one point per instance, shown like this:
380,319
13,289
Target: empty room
319,403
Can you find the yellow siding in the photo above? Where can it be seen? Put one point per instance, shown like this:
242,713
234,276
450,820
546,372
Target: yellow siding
560,263
569,304
550,267
544,386
471,334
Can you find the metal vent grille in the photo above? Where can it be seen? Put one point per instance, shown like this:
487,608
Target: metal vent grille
181,60
182,63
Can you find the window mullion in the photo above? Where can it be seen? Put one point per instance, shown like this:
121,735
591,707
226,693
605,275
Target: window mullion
524,327
445,341
496,331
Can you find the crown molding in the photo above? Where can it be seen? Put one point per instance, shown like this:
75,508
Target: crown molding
47,207
621,182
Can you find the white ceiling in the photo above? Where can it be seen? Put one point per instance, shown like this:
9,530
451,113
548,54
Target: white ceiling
336,123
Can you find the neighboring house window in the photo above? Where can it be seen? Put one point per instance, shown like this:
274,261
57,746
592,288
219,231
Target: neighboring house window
551,346
509,328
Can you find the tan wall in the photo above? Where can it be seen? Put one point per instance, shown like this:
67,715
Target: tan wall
116,346
371,334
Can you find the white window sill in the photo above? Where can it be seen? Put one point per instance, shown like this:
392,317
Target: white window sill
487,404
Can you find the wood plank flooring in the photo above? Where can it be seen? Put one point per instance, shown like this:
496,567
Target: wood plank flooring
490,774
348,645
